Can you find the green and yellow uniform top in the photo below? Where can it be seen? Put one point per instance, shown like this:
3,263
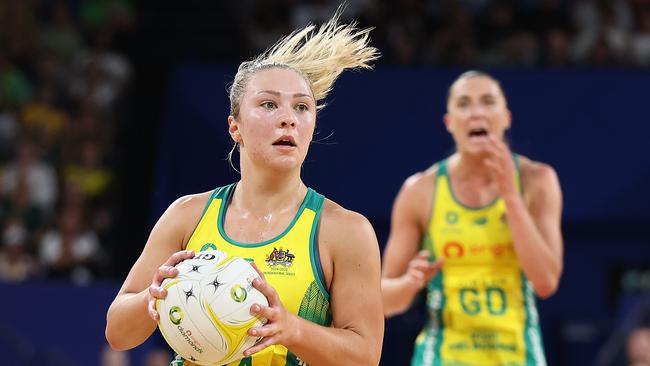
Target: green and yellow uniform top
290,262
481,306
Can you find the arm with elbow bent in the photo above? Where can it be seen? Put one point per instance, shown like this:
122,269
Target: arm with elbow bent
131,318
355,337
398,293
127,322
534,218
534,221
406,269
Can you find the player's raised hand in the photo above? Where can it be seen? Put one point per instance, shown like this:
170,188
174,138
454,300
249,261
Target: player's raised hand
501,165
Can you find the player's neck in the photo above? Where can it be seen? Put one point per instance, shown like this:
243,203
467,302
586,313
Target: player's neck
469,167
261,194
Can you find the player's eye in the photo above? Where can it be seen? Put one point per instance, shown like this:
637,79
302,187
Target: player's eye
489,101
268,105
302,107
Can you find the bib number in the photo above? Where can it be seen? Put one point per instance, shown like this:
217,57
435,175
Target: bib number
474,301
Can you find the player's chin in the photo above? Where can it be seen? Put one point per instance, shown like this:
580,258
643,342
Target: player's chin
286,163
477,150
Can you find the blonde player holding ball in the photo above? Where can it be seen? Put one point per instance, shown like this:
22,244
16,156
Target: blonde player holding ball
480,230
319,262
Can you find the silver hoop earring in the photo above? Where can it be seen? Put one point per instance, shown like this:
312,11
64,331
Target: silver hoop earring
235,146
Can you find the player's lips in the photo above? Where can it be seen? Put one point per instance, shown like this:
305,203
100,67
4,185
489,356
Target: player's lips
478,132
286,140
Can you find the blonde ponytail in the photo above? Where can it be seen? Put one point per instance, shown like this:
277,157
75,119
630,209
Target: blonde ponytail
319,55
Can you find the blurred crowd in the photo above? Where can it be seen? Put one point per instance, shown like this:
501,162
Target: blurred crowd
62,87
487,33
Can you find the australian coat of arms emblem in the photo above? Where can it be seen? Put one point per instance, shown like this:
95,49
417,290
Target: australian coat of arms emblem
281,257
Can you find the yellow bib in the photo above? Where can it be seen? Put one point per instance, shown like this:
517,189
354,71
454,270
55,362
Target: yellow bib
481,306
290,262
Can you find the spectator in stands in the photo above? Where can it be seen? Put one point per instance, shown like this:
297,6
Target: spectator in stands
9,128
15,87
59,34
100,72
71,250
89,171
16,263
19,204
39,176
45,122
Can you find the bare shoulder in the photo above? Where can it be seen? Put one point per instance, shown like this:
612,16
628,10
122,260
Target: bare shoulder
192,202
537,177
346,231
186,211
535,172
420,184
415,198
189,205
345,238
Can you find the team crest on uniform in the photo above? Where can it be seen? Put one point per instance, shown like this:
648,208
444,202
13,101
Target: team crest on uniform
451,217
280,257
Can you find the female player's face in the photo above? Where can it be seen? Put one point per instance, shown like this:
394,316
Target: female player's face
476,109
276,119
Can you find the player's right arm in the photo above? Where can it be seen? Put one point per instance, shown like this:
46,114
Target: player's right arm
130,320
406,269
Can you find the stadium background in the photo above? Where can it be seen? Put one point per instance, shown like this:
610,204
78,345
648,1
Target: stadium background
110,109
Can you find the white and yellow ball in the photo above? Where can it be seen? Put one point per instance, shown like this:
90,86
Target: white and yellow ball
206,315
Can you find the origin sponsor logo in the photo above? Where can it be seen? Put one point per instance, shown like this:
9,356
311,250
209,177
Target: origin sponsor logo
187,335
497,249
453,249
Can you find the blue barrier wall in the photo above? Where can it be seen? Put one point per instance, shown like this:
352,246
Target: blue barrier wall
58,324
53,324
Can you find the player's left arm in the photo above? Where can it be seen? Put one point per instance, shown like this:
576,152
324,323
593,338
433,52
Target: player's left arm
355,336
534,218
535,226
